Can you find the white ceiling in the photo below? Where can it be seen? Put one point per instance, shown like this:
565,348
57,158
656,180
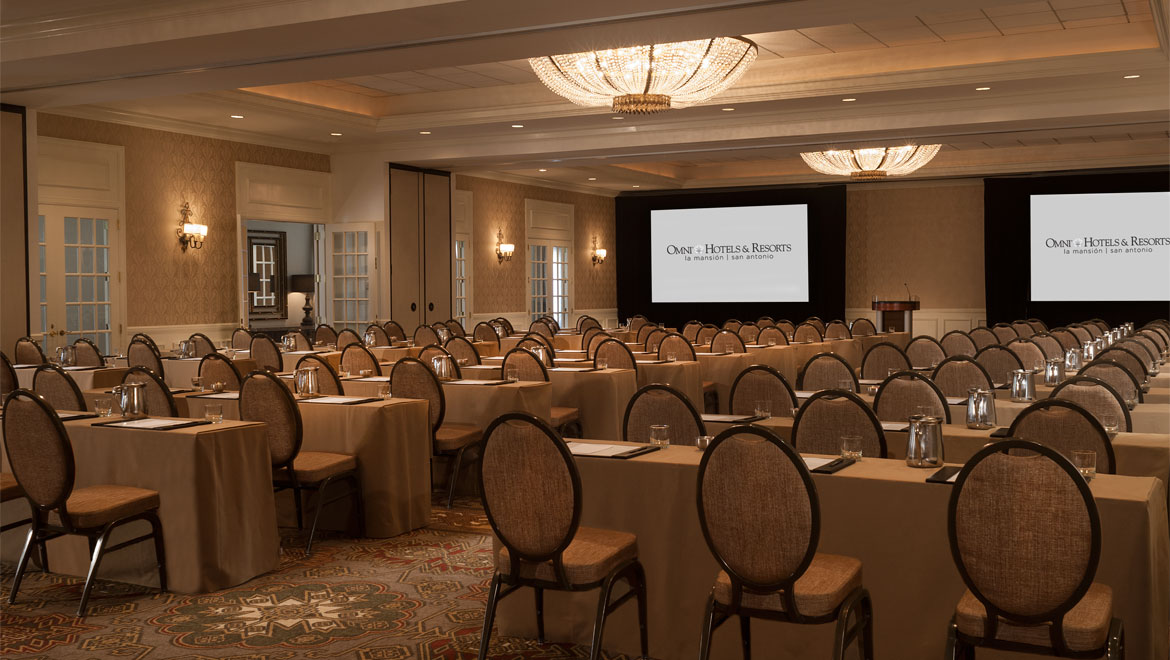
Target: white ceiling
299,70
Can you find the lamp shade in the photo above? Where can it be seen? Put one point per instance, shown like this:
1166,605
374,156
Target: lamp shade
301,283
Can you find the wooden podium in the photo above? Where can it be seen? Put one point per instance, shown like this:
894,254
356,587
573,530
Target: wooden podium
888,316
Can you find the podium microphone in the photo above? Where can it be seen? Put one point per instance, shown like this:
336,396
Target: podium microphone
908,296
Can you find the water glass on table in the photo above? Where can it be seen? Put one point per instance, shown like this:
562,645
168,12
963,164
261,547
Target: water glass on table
1109,421
512,374
660,434
845,384
602,363
104,406
213,412
763,408
384,391
365,373
851,447
1085,461
197,384
671,357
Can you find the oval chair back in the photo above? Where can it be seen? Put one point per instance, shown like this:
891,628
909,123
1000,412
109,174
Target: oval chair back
828,416
412,379
394,331
328,382
356,358
347,338
882,357
675,344
1096,397
159,400
957,374
999,363
924,351
616,355
527,364
203,344
325,334
58,389
263,398
266,353
215,368
826,371
1117,376
86,353
904,393
772,334
28,351
761,382
863,327
957,342
837,330
806,333
461,349
8,378
726,341
662,404
142,354
241,339
425,335
1066,427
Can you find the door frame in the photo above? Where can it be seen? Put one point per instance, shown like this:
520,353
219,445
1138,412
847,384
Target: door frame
81,174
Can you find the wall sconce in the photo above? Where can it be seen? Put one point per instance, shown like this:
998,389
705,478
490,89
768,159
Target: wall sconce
190,234
504,251
598,253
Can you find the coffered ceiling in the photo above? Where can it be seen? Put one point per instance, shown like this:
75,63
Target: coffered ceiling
441,83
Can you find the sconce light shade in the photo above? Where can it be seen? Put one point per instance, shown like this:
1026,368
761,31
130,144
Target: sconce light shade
504,251
598,253
191,234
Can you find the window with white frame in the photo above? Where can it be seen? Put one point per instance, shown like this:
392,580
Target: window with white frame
462,267
549,235
460,313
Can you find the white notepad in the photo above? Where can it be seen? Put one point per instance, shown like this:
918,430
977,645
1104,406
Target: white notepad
147,423
336,400
813,462
220,395
895,426
590,449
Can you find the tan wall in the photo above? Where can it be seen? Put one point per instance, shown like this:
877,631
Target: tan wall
500,288
929,235
13,273
166,286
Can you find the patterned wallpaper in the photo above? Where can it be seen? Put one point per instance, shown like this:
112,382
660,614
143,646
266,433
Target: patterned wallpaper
499,205
929,236
166,286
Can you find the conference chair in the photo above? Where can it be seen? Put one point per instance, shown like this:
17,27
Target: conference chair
28,351
348,337
325,334
957,342
761,382
983,337
462,349
909,393
662,404
215,368
862,327
142,354
1096,397
956,375
999,363
881,358
86,353
825,371
159,400
828,416
356,358
425,335
58,389
328,382
924,351
1066,427
1004,332
266,353
242,338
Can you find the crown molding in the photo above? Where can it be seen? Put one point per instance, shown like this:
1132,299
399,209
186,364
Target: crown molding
523,180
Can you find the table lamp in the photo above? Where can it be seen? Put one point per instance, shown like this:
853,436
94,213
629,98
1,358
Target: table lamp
305,284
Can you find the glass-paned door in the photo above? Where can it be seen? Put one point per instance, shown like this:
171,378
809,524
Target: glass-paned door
351,275
548,277
74,267
460,281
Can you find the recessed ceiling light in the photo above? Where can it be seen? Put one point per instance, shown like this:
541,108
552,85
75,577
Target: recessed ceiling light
637,186
542,170
1130,77
848,100
424,132
592,178
336,134
728,109
617,117
517,125
237,116
982,89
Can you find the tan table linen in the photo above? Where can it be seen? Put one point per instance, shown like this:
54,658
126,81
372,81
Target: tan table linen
180,371
568,342
899,339
217,508
289,359
600,397
849,349
486,348
722,370
480,404
392,444
179,394
879,511
685,376
86,379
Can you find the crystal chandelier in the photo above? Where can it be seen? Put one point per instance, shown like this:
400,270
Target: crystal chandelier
648,79
873,163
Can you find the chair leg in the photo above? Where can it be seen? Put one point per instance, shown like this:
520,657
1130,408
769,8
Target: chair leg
23,563
539,615
1115,648
708,629
599,622
745,633
640,590
44,553
867,631
160,553
360,502
455,475
297,503
317,514
489,617
99,549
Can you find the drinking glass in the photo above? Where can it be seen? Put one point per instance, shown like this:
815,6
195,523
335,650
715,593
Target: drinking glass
660,434
1130,402
1109,421
891,371
771,341
703,441
365,373
671,357
512,374
342,372
890,329
764,408
845,384
602,363
104,406
197,383
213,412
851,447
384,391
1085,461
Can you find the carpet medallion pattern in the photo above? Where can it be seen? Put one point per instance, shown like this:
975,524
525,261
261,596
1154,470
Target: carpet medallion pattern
419,595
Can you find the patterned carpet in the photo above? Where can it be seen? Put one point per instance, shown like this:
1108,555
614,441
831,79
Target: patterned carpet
419,595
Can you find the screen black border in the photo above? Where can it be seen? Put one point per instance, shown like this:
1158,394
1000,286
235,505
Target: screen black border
1007,258
826,257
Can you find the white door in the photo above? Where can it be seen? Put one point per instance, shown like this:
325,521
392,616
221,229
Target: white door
350,275
74,265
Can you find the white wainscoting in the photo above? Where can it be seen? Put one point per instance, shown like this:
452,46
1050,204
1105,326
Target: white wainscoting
166,335
520,320
932,322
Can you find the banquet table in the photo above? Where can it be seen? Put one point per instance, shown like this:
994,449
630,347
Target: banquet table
875,511
178,372
216,503
392,443
85,377
685,376
91,397
600,396
1137,454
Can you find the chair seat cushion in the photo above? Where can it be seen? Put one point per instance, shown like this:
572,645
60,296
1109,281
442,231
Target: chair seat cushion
1086,625
314,466
97,505
591,557
562,415
709,386
9,489
822,588
456,436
